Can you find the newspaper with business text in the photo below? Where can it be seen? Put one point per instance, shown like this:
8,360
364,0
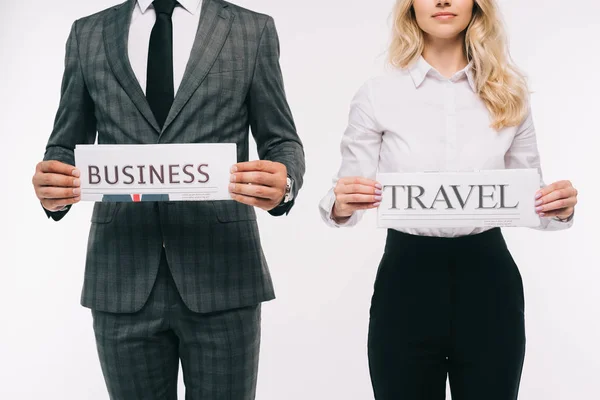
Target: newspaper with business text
155,172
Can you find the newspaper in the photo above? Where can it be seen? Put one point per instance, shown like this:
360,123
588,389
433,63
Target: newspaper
489,198
156,172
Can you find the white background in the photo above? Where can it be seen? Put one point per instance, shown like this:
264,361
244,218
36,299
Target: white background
314,334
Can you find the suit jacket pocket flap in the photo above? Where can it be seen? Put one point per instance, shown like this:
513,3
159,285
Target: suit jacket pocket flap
104,212
227,64
229,211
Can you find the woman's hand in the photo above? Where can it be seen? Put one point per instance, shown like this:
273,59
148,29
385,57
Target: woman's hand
556,200
355,193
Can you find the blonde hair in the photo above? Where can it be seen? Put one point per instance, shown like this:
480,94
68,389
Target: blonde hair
498,82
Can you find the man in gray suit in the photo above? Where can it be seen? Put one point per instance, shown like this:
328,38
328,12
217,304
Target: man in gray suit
176,281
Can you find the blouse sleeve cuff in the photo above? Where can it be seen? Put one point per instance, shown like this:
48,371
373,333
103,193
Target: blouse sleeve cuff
326,208
556,224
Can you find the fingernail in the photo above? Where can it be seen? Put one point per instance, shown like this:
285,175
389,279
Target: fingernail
378,198
76,182
537,203
378,191
234,169
539,208
76,191
231,186
76,172
378,186
538,195
542,214
376,204
232,178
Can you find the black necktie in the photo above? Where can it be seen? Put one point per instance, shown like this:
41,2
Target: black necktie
159,85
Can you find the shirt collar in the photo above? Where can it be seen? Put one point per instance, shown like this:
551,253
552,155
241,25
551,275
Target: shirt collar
191,6
421,68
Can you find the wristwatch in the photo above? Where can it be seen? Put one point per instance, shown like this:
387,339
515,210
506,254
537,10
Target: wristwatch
289,194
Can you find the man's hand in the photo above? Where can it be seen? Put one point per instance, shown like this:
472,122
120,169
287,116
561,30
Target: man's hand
56,184
556,200
258,183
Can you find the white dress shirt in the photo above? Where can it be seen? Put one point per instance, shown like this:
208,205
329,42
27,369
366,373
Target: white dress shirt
414,120
186,18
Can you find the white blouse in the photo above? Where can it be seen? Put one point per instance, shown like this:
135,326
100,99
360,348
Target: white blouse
414,120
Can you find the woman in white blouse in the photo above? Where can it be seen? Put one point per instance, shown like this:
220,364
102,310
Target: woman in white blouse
447,302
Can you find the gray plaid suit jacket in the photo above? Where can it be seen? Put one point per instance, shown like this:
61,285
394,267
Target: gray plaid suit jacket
233,82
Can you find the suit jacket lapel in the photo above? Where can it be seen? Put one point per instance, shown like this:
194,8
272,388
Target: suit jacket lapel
116,35
215,24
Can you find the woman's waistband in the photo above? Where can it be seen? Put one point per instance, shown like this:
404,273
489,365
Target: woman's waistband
397,239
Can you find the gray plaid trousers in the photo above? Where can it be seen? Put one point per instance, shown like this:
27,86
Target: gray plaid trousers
139,353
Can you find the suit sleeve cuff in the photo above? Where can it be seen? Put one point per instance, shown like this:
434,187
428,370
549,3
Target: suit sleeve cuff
281,209
57,215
